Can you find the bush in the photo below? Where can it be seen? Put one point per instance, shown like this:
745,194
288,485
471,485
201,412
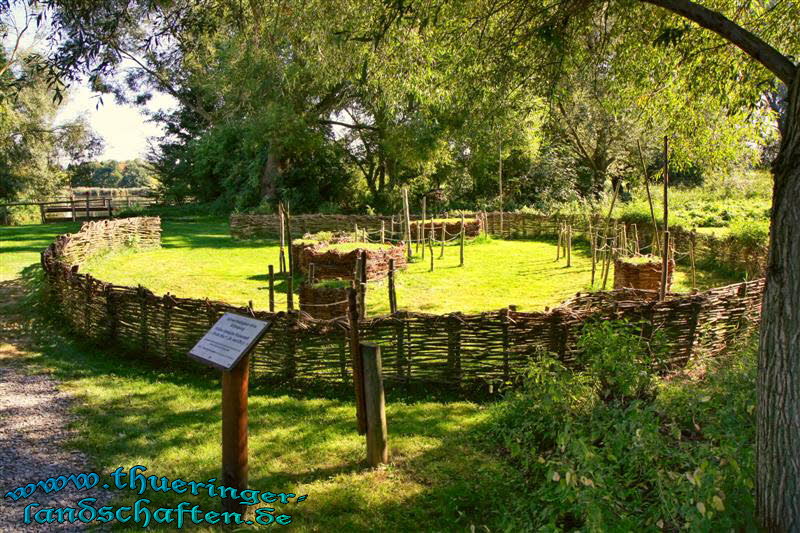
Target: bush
619,361
678,459
750,232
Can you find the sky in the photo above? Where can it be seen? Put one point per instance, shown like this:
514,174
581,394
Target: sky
124,128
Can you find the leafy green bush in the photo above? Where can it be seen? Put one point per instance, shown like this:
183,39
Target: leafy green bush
750,232
619,361
678,459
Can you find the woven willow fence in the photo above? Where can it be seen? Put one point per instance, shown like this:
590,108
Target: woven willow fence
452,348
728,252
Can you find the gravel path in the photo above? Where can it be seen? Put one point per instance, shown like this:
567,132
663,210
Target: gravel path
34,415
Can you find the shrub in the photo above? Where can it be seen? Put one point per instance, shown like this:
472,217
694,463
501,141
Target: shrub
750,232
619,360
679,459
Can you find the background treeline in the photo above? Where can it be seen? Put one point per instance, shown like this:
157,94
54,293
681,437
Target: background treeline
112,174
318,109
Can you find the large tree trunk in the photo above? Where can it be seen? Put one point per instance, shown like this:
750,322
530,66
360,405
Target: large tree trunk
269,175
778,432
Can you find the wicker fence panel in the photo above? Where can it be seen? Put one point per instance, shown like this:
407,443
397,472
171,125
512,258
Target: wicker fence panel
451,348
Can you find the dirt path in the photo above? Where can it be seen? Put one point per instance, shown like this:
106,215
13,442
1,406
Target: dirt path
34,419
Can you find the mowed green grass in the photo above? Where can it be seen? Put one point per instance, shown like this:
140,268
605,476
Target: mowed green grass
129,412
200,260
20,246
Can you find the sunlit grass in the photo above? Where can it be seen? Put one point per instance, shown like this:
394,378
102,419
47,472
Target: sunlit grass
200,260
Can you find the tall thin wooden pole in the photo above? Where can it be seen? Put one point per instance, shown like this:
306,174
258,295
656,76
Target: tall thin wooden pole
271,289
234,432
383,231
430,244
282,232
392,294
500,172
374,402
444,237
693,243
665,253
593,244
569,245
408,222
356,361
362,287
461,251
649,198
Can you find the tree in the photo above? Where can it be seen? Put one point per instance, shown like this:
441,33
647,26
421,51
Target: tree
532,39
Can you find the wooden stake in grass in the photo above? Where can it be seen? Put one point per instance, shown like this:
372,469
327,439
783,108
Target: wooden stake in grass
383,231
444,238
362,292
636,248
271,289
558,246
665,254
282,255
656,241
593,245
693,243
377,433
290,293
430,245
424,219
408,222
461,251
569,245
356,360
392,294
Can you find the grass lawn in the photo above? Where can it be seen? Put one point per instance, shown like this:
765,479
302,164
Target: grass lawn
20,245
443,476
199,259
131,413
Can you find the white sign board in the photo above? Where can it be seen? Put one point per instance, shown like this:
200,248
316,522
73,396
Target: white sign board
228,341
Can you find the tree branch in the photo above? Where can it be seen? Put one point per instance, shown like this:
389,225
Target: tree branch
346,125
749,43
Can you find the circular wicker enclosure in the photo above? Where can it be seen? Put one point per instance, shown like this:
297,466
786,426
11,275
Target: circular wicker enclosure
472,227
324,303
331,263
641,274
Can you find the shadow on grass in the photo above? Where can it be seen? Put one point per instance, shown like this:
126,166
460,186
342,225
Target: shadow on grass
302,439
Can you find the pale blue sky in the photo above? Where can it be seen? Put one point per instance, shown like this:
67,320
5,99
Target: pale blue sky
124,128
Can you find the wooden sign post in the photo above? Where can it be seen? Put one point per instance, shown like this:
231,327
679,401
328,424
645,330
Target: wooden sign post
227,346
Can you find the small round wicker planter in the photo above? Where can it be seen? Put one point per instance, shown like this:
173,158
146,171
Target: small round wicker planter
331,263
639,273
324,303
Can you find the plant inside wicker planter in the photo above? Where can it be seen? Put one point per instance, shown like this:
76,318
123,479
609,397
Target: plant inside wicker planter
641,272
336,258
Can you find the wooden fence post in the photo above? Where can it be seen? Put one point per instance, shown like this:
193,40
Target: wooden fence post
234,431
392,295
271,289
357,361
281,232
444,237
377,438
290,293
569,245
461,250
362,285
693,244
383,231
430,245
72,206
